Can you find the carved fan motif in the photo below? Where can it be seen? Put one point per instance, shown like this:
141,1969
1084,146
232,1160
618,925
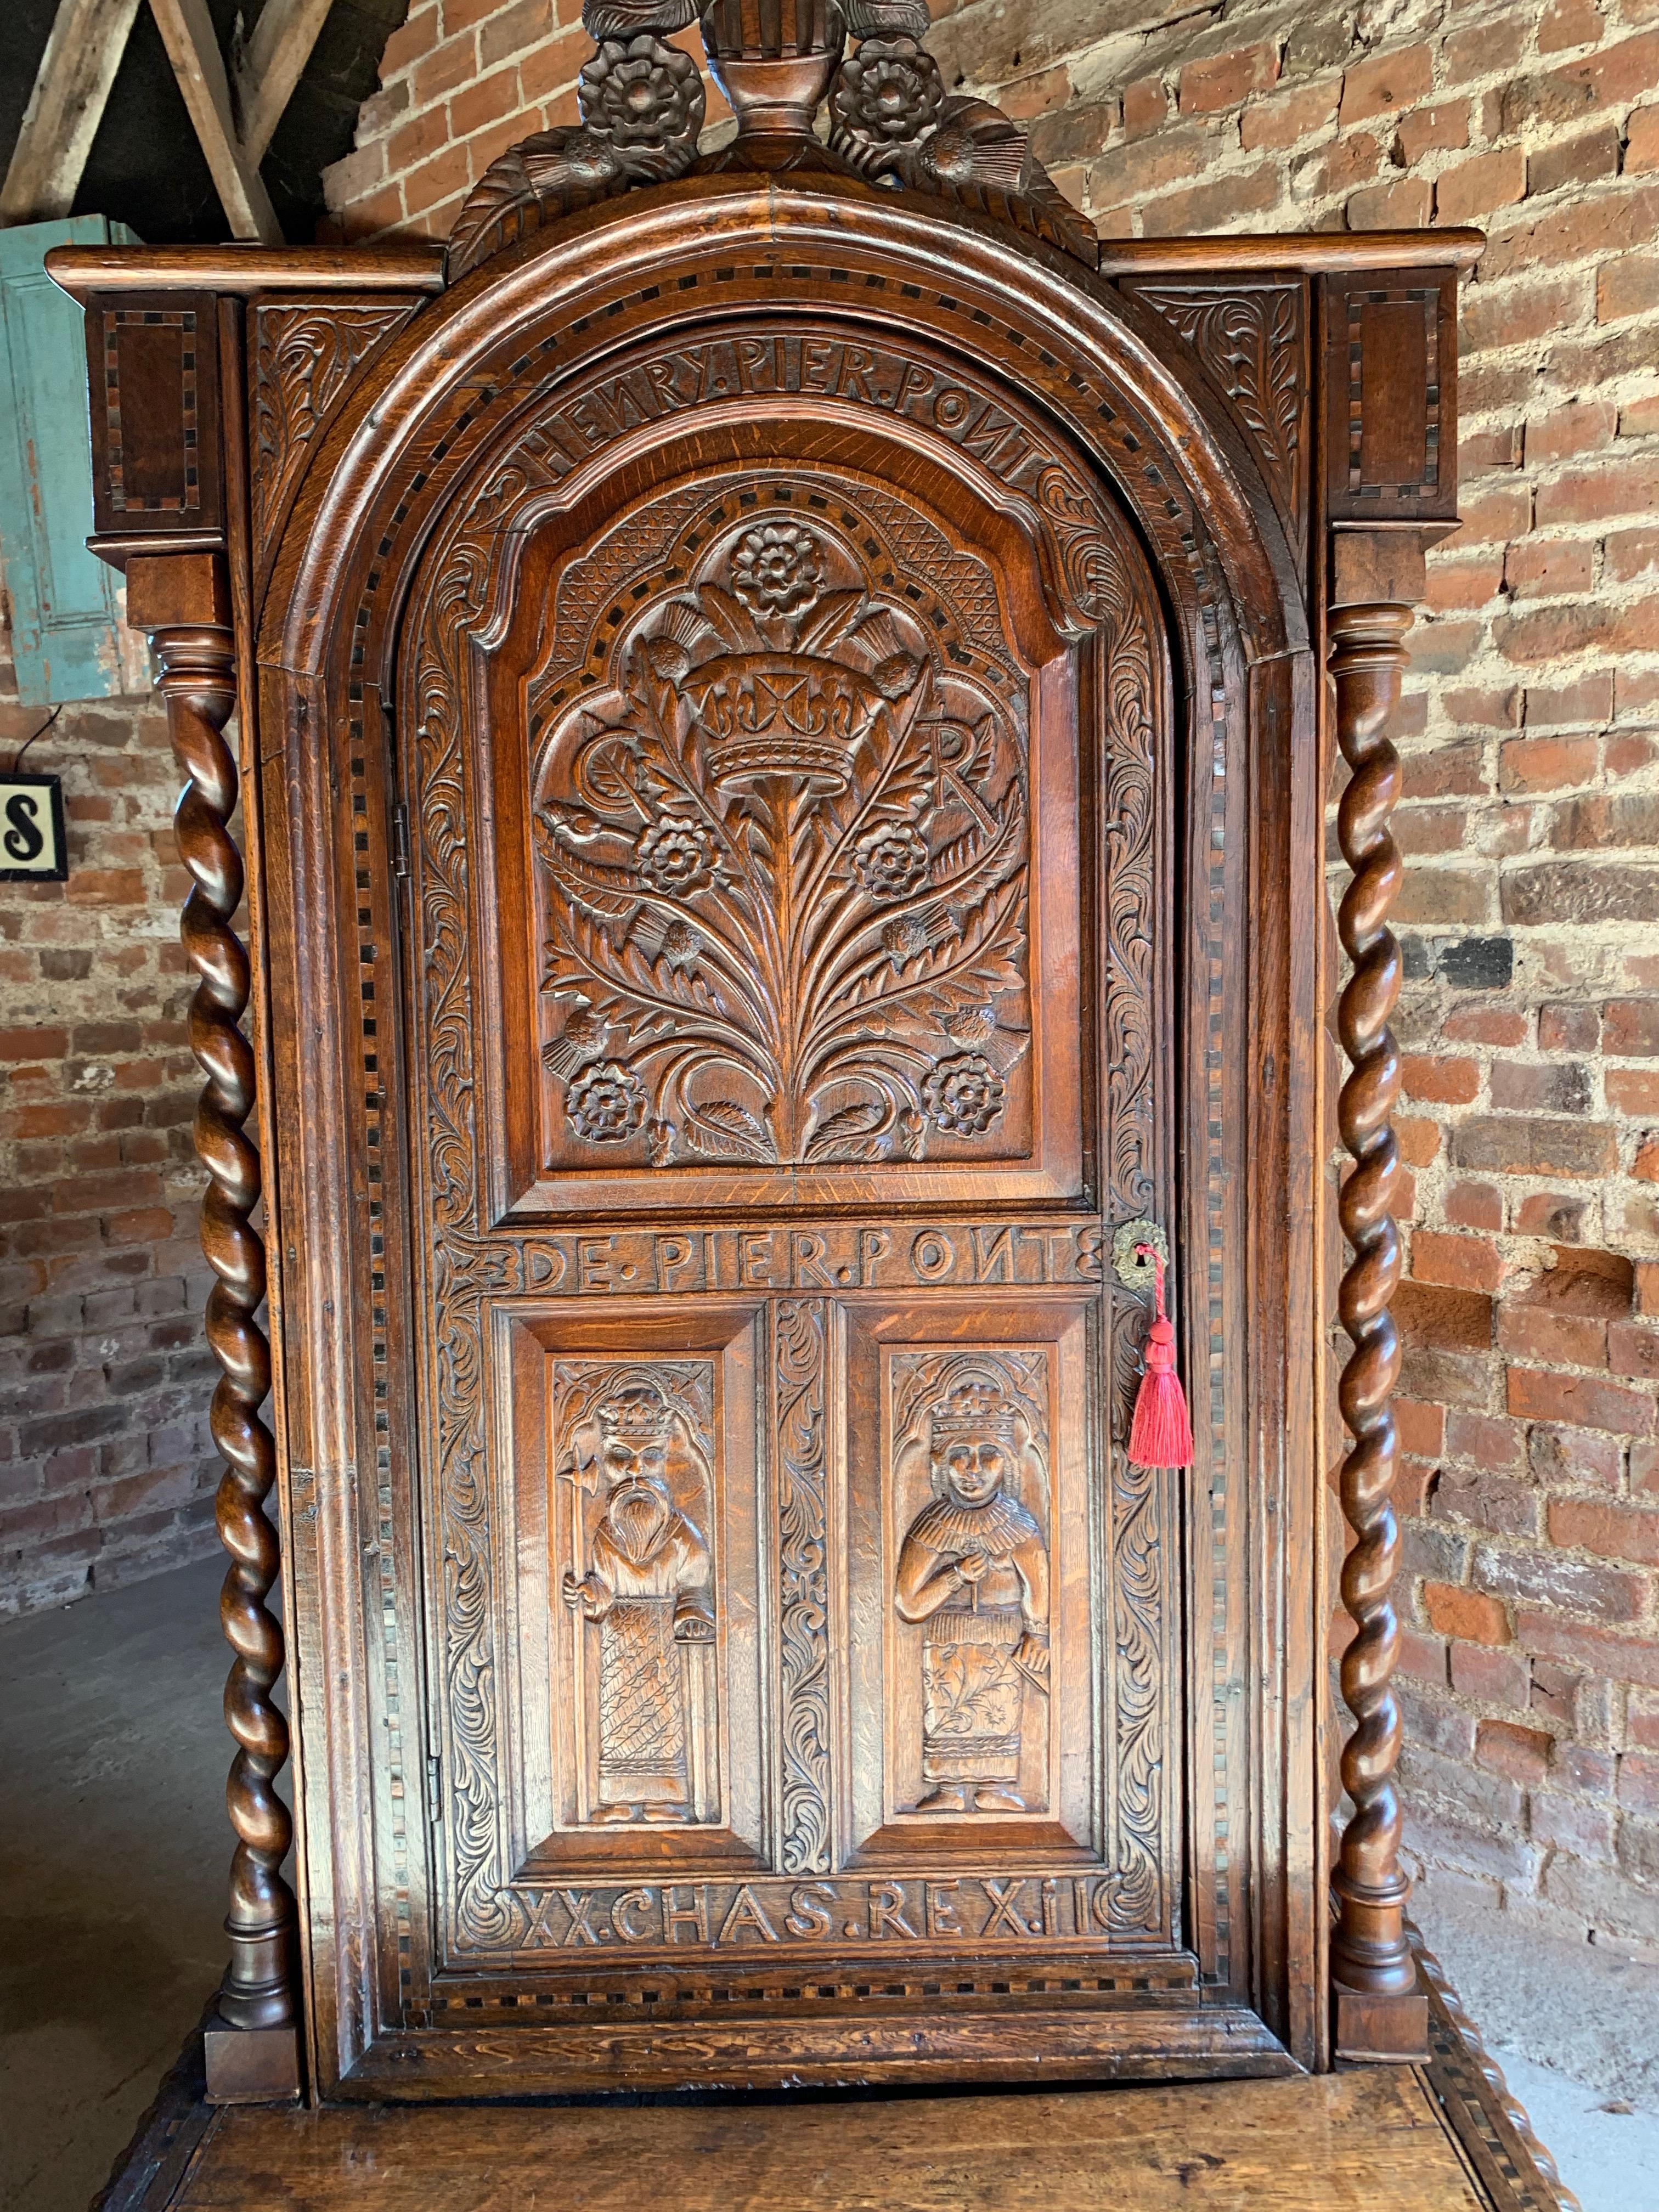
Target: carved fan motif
784,857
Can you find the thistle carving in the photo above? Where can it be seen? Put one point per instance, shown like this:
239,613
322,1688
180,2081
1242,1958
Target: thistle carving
784,871
642,107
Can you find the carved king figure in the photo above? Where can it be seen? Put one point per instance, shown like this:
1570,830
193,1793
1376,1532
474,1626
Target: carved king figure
647,1587
974,1570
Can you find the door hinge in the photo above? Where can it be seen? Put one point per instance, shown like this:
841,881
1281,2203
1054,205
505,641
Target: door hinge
399,842
434,1796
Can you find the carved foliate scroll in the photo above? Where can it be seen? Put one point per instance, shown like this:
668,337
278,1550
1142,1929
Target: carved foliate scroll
305,358
784,847
1252,339
802,1415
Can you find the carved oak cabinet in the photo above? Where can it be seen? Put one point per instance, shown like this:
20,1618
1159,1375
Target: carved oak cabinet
784,706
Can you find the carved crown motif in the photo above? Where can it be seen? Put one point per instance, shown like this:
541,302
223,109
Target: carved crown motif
643,105
977,1412
636,1416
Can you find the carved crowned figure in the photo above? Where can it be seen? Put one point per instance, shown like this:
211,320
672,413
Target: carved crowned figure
648,1587
973,1570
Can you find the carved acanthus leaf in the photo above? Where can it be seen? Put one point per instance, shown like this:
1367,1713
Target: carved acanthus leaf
305,356
1251,339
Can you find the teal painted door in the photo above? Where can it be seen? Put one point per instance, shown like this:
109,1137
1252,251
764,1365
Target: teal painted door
63,599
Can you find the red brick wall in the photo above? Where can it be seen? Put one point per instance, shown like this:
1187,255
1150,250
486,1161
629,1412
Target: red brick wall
1531,1016
106,1470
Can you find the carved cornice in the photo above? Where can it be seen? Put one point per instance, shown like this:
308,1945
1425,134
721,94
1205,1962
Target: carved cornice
891,120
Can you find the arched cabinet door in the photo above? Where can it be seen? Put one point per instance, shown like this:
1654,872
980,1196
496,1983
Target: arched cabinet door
764,713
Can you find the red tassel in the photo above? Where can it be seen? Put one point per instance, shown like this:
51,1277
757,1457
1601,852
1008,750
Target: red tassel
1162,1434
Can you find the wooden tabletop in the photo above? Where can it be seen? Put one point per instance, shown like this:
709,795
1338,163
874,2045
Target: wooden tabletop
1442,2137
1310,2145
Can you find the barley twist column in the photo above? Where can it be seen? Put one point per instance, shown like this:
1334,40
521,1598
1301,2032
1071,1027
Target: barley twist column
1370,1952
198,683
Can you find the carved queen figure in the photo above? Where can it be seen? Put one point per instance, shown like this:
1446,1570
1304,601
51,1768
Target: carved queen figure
648,1587
972,1572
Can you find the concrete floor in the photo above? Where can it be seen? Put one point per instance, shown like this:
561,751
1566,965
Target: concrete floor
112,1852
114,1848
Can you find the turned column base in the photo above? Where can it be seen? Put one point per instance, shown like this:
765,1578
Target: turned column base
1370,2028
252,2065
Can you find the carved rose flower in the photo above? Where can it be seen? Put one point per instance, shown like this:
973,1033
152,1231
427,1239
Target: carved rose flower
606,1102
893,859
964,1095
676,855
776,569
641,93
889,90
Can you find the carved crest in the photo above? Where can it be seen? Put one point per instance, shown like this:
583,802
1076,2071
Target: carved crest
784,856
641,103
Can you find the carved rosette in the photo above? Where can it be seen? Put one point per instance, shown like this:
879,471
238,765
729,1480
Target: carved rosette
643,105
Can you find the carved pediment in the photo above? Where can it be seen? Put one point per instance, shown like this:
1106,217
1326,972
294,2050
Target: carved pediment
890,119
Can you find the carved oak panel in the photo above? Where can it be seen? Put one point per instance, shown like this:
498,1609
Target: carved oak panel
789,952
632,1478
781,819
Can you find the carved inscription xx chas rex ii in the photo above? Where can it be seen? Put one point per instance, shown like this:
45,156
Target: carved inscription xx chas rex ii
1021,1909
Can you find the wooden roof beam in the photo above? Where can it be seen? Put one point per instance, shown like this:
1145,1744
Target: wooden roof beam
271,64
192,48
71,90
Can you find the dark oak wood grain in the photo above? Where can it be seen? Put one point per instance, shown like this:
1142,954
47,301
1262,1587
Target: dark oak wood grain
782,707
1288,2145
